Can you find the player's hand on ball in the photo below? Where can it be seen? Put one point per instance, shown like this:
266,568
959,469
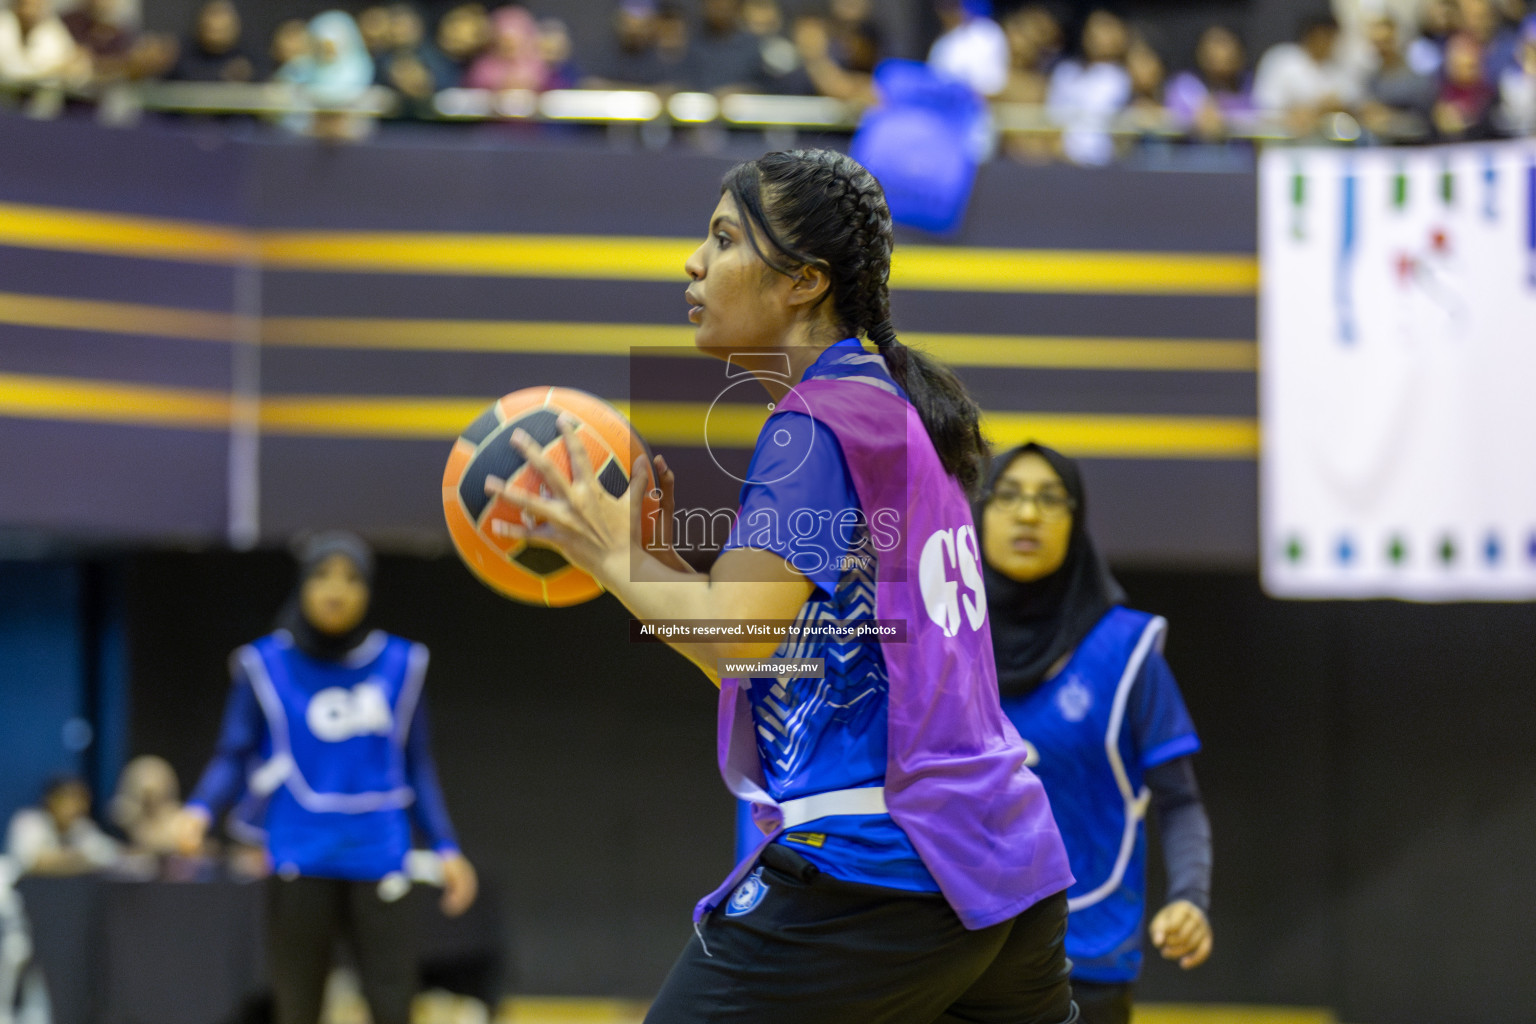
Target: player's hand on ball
661,547
590,527
460,884
190,829
1181,932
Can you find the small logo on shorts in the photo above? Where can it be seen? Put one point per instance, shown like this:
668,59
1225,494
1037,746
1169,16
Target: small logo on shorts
747,895
1074,700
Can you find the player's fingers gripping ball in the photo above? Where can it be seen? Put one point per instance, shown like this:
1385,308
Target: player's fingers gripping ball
519,568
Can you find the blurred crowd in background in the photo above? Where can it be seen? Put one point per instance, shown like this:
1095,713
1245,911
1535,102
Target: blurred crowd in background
59,836
1395,71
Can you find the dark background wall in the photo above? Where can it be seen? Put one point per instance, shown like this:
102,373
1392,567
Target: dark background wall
1366,767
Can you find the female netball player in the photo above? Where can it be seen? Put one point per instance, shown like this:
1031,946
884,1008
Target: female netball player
330,714
910,870
1084,680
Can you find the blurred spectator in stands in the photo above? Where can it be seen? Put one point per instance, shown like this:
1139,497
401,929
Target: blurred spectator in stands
633,60
815,45
374,24
725,56
674,44
290,42
1035,43
1437,22
1517,87
463,35
213,52
36,48
556,50
1464,109
513,61
1034,47
146,803
779,67
1085,96
1497,39
1149,77
856,41
336,72
973,48
1300,81
1354,50
1210,99
99,28
410,65
1398,99
1027,79
59,838
106,30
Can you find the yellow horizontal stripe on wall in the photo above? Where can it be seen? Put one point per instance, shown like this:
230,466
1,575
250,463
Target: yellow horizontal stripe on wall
1067,353
938,268
349,416
69,230
116,317
94,401
1084,353
549,338
682,424
1113,436
1103,436
587,257
607,258
557,1010
557,338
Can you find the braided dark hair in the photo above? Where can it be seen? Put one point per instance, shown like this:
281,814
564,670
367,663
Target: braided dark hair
821,208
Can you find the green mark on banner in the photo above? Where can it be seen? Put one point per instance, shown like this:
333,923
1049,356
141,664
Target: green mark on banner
1448,187
1298,202
1397,551
1448,550
1400,189
1293,549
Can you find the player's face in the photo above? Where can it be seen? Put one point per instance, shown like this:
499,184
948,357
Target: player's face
738,302
1027,522
335,596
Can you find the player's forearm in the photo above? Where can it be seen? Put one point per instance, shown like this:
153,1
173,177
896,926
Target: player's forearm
653,592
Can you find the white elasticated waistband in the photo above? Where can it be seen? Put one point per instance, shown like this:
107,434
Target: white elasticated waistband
864,800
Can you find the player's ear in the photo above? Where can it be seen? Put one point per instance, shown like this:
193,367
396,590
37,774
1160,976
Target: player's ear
808,284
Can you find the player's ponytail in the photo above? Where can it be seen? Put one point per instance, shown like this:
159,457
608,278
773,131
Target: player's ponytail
822,208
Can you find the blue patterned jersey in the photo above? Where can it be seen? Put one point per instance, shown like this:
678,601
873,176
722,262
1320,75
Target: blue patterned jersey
817,735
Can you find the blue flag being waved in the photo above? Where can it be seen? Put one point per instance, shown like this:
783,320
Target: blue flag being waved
921,143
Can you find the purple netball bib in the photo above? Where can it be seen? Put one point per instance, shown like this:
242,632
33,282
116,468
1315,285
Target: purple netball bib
955,777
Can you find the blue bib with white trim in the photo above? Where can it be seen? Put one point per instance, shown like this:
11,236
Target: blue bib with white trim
335,773
1084,750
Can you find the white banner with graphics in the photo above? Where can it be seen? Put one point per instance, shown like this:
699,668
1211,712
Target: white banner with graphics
1398,372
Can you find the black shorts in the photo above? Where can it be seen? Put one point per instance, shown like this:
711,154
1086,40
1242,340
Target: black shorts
815,949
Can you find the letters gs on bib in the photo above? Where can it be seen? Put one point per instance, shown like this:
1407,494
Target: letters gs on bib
337,714
945,553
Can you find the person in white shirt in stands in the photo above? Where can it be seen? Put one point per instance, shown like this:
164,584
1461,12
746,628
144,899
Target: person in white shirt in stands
59,838
1300,81
1517,86
973,48
1086,95
36,49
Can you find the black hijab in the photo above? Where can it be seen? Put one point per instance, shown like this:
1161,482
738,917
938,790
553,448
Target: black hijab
1034,624
313,642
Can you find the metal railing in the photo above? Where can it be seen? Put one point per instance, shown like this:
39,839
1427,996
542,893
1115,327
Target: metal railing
123,103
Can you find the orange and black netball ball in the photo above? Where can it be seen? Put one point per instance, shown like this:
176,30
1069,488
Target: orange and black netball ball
528,571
